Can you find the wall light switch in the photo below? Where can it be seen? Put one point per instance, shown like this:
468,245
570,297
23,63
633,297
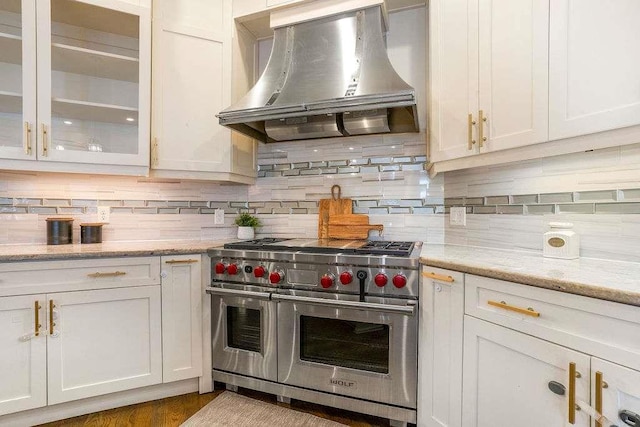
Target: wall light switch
458,216
218,216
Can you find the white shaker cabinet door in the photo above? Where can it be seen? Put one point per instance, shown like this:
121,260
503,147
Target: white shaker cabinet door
182,297
594,82
620,388
507,376
103,341
453,75
513,73
23,355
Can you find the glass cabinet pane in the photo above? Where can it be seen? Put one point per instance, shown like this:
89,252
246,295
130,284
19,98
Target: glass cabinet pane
11,111
94,78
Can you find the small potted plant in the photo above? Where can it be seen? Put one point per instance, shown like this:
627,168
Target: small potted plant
246,225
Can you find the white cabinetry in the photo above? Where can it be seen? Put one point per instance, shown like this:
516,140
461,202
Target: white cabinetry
507,376
99,329
23,354
620,388
508,75
594,84
103,341
192,81
91,109
181,317
489,75
440,351
534,336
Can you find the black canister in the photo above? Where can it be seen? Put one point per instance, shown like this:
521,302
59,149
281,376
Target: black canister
59,231
91,232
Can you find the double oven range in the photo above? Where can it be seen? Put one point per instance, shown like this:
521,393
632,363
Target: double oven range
329,321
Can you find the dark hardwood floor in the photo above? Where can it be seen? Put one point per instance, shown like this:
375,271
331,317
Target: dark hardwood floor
173,411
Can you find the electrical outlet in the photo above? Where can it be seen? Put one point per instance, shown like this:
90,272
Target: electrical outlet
458,216
103,213
218,217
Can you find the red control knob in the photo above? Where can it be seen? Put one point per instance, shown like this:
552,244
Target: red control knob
220,268
276,277
232,269
399,281
327,281
380,279
346,278
259,271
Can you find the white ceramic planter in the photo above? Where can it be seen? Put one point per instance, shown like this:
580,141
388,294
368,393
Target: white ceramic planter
246,233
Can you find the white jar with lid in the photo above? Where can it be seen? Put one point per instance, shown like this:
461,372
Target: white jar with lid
561,241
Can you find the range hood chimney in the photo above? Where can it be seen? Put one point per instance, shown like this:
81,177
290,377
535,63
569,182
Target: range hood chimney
327,77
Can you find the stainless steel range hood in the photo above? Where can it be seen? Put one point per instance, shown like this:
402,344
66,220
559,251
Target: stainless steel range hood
326,78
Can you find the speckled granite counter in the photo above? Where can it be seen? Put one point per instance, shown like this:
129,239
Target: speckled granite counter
10,253
616,281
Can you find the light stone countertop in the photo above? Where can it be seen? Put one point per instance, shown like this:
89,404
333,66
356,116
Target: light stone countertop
617,281
11,253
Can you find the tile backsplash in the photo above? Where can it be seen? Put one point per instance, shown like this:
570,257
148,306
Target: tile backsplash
510,206
385,177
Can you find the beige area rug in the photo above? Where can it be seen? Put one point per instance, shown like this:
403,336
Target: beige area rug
231,409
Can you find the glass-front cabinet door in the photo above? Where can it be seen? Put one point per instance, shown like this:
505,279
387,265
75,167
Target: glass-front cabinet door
17,79
93,82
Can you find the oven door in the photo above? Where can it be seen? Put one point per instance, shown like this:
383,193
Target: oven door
364,350
243,332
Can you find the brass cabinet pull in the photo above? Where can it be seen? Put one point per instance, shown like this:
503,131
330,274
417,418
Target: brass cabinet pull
45,149
154,152
181,261
573,374
51,322
110,274
470,124
502,304
600,384
439,277
27,138
482,119
38,325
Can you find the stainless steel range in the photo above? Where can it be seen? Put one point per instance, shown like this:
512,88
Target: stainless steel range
329,321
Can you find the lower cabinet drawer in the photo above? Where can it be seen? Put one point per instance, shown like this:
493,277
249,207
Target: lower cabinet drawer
605,329
32,277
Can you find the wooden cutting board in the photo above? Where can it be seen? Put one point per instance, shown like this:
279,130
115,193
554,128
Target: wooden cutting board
346,219
352,231
329,207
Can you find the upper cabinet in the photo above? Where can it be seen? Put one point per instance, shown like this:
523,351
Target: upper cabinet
594,82
506,75
90,112
17,79
488,75
192,82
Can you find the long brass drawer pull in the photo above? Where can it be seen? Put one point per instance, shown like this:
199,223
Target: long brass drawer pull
181,261
470,124
38,325
439,277
51,322
526,311
573,374
110,274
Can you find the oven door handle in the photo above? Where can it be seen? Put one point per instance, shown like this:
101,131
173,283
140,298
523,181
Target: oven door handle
409,310
238,293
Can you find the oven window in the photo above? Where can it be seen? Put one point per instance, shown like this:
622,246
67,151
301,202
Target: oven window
335,342
243,329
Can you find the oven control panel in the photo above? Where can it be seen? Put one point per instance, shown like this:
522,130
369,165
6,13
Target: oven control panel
394,281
